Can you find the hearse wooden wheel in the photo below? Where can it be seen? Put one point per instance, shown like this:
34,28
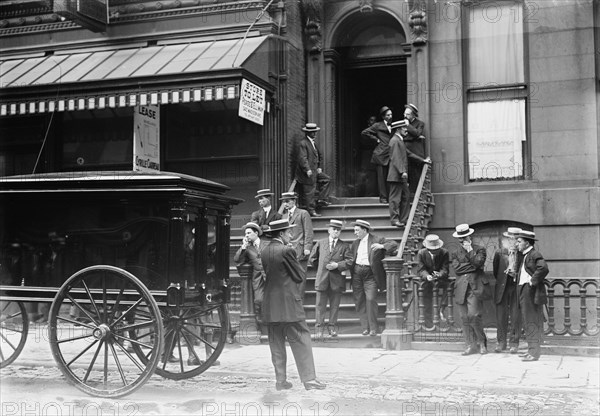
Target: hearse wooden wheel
194,339
14,326
90,321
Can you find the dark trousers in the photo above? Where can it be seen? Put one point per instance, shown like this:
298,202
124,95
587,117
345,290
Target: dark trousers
309,193
334,297
398,200
382,183
298,336
508,309
414,174
532,319
428,299
364,291
470,314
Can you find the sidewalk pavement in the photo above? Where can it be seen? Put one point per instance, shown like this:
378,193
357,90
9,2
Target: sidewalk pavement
412,367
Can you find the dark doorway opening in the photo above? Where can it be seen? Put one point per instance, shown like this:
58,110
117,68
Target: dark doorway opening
364,91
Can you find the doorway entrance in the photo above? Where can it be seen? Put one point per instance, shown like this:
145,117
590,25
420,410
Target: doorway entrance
366,90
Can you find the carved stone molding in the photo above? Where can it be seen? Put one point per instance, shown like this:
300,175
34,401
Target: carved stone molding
365,6
418,22
311,12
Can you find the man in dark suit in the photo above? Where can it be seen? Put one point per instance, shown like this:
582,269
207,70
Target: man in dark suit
381,132
282,310
433,264
468,261
505,295
334,256
249,253
367,273
302,234
267,212
309,175
415,143
532,272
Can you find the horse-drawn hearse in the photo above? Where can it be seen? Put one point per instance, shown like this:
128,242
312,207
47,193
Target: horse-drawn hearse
135,266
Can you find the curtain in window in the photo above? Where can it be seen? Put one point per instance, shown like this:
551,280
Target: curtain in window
496,137
495,44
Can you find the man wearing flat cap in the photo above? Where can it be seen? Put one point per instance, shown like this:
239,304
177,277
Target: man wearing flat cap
433,265
312,182
267,212
368,274
249,253
334,257
381,133
415,143
532,272
283,312
506,259
468,261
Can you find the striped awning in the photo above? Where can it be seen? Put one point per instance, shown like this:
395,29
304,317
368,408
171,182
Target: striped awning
87,80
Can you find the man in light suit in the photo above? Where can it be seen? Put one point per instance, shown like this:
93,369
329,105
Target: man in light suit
468,261
381,132
433,265
334,256
267,212
506,297
367,273
309,174
532,293
249,253
282,310
302,234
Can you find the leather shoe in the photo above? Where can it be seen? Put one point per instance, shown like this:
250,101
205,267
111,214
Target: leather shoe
372,333
314,385
397,224
365,332
332,332
383,201
469,351
283,385
500,348
529,357
513,350
483,350
323,203
314,214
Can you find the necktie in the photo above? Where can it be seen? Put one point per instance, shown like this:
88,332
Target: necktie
332,245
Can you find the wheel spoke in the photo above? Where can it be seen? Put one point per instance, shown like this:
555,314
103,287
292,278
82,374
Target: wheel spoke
12,316
89,370
114,354
1,355
135,305
82,309
133,341
208,344
87,290
74,338
180,355
105,362
75,322
137,326
211,326
197,314
115,307
131,357
190,346
8,342
168,351
82,352
5,306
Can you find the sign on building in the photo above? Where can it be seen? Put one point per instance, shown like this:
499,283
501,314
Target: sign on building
252,102
146,138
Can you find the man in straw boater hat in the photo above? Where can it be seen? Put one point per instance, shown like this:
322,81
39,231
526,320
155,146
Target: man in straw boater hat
433,265
506,297
249,253
532,271
282,309
309,174
267,212
367,273
415,143
468,261
334,257
381,133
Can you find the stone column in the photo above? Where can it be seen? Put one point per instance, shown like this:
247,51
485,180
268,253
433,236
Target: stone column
395,336
249,332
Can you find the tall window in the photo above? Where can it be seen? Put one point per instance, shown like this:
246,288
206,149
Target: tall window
496,91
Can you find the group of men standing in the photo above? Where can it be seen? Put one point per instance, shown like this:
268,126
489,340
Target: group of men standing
519,294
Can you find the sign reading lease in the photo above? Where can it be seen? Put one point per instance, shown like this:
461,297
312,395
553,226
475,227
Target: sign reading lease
252,102
146,138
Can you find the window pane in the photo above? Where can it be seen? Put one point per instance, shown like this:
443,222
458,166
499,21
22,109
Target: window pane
496,139
495,44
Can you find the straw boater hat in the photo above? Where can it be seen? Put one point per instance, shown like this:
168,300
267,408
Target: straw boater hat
288,195
336,224
263,192
254,226
529,235
383,110
398,124
311,127
279,225
511,232
463,230
362,223
432,242
414,109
